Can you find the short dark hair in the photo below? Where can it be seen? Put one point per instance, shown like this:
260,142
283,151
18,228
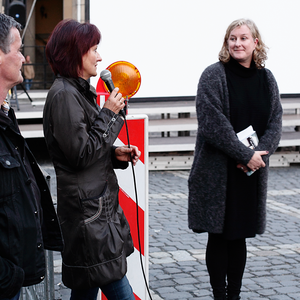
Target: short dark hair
67,44
6,24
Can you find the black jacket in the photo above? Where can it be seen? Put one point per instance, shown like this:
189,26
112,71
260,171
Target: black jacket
28,222
80,139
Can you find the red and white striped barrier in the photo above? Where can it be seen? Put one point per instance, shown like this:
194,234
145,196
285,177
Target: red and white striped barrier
138,136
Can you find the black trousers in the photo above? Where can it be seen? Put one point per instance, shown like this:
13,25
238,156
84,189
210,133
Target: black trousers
225,260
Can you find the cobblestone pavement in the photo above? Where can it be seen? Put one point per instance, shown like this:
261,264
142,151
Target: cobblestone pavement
176,265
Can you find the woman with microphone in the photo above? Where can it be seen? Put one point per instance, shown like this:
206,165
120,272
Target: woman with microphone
80,138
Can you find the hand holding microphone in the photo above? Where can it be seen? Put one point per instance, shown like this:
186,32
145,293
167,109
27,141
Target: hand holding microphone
115,101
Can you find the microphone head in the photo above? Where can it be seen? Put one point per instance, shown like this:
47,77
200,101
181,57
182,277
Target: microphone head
105,75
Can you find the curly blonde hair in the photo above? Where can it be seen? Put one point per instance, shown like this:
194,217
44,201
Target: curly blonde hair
260,52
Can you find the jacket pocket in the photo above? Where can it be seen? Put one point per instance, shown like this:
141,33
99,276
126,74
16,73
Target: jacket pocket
92,207
102,258
103,235
9,174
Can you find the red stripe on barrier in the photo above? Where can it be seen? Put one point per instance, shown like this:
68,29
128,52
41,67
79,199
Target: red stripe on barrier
104,298
129,208
136,129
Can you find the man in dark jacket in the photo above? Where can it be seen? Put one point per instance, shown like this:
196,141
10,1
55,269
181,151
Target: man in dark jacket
28,222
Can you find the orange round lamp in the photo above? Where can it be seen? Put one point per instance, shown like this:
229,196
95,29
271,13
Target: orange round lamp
126,77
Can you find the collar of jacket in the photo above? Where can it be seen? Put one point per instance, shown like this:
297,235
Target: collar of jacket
4,120
10,121
83,87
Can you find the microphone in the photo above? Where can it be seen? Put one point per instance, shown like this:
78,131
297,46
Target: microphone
105,75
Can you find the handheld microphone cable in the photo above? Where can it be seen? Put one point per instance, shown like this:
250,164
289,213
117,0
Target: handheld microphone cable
137,213
105,75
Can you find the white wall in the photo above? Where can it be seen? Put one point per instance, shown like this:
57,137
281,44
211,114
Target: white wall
172,41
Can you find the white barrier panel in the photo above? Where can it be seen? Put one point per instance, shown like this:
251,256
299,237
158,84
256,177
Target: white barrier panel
138,136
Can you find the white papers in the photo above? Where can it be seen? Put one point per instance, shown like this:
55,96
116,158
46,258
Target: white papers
249,138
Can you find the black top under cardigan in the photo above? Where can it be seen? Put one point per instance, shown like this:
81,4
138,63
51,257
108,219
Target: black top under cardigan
249,105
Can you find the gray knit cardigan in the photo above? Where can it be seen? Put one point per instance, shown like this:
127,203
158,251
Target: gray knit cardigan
216,142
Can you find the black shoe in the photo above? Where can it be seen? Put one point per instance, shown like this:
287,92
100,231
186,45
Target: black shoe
234,298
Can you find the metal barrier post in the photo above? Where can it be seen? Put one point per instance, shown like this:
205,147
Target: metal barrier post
49,278
44,290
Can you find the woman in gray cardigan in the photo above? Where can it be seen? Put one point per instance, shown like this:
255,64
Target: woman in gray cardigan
224,201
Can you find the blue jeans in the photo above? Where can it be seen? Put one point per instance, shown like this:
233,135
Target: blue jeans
117,290
28,84
13,298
